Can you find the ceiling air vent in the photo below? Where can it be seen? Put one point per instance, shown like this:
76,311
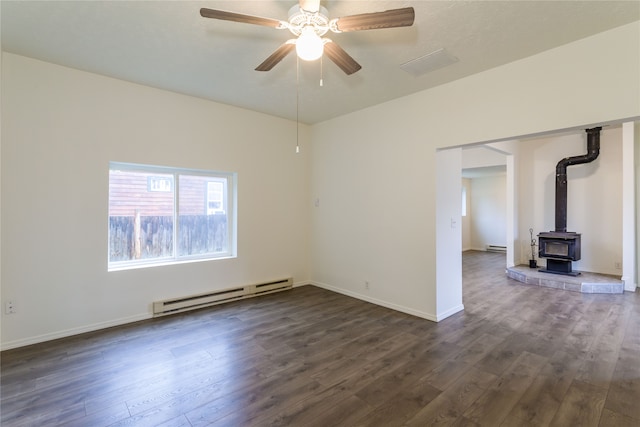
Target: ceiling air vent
429,62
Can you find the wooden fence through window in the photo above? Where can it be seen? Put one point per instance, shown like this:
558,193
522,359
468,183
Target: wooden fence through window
147,237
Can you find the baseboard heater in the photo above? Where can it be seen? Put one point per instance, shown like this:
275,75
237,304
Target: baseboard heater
193,302
496,248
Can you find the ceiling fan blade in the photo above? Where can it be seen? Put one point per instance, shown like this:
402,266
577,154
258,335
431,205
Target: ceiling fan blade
370,21
310,5
238,17
277,56
341,58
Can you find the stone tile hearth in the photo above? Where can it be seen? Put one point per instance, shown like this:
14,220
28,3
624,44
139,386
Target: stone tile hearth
587,283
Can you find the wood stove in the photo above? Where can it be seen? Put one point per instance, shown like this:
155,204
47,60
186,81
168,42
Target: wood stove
562,247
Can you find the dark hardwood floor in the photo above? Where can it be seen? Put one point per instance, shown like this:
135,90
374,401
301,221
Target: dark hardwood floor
517,356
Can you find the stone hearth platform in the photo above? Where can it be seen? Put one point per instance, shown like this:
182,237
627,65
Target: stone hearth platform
587,283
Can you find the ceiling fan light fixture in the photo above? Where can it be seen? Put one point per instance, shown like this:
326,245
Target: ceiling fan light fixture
309,22
309,45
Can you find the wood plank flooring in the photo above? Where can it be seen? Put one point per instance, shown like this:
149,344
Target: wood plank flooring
517,356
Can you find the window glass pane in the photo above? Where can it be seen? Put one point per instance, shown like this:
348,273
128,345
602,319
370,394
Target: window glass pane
464,201
141,209
202,215
163,215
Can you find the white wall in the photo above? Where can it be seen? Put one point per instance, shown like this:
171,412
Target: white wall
485,165
388,151
61,127
628,214
448,234
369,225
489,207
636,169
1,287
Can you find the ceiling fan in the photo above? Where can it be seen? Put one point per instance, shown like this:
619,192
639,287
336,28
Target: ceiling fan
308,21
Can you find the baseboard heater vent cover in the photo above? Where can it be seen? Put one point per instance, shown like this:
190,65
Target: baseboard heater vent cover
496,248
193,302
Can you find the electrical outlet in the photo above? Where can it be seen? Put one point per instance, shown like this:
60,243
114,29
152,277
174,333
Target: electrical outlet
618,265
366,284
9,307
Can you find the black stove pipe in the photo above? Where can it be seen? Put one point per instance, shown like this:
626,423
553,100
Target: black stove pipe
593,150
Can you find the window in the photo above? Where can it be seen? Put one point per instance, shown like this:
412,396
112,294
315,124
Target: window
160,215
464,201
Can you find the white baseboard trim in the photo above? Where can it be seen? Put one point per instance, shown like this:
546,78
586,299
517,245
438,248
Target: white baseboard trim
450,312
122,321
376,301
74,331
89,328
305,283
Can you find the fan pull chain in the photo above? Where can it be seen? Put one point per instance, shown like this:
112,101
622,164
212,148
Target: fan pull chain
321,71
297,104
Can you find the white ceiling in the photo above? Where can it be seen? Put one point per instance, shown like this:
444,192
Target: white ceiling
168,45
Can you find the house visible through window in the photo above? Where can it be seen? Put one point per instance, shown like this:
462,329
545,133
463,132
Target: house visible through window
160,215
215,196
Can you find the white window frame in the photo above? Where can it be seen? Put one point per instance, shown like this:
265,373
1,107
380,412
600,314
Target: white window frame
230,207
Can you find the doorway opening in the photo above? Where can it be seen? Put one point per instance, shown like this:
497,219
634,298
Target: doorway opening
530,193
